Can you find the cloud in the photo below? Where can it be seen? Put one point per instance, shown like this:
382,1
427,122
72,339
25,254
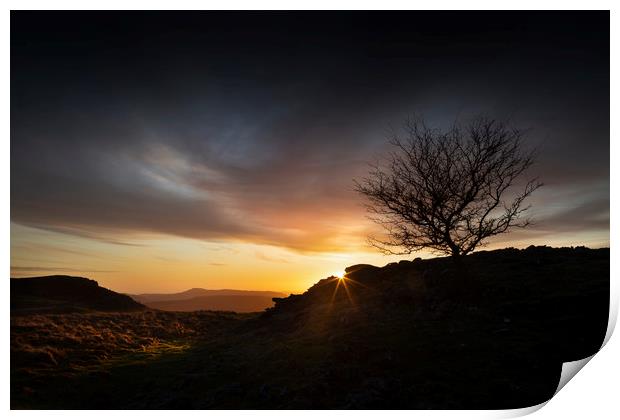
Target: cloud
270,258
591,215
229,138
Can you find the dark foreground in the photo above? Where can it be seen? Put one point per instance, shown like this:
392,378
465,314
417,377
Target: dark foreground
492,333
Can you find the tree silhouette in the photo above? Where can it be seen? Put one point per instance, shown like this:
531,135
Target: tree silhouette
446,190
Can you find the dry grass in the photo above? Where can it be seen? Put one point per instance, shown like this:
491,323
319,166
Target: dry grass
74,342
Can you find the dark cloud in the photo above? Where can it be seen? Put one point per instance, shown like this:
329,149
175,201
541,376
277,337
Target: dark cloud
251,126
591,215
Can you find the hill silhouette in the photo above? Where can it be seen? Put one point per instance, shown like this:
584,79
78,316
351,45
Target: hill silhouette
235,303
489,333
66,294
211,300
199,292
492,332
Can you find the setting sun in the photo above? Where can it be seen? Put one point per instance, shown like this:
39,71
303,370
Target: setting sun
340,274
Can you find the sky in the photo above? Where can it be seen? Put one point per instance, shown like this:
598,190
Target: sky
159,151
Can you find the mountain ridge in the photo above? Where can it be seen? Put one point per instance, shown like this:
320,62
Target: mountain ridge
199,299
235,303
198,291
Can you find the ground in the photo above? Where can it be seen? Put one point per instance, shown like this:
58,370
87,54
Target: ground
490,332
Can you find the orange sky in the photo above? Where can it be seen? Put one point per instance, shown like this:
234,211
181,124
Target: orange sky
169,264
221,158
160,263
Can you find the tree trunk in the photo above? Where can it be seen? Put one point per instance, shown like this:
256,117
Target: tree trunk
457,258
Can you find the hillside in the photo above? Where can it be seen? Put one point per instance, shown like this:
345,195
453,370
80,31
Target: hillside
59,294
491,333
198,299
199,292
235,303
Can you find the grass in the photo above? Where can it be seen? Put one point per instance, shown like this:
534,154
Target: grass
78,345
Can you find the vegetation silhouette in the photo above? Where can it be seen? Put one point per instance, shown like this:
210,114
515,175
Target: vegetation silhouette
446,190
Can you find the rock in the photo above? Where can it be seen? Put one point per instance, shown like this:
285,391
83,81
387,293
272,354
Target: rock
359,267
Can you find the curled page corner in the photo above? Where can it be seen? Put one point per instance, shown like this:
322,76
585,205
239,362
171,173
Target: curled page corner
520,412
613,314
569,370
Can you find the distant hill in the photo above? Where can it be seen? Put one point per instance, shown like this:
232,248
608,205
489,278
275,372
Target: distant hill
61,294
236,303
197,292
214,300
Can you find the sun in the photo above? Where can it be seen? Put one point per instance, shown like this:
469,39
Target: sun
340,274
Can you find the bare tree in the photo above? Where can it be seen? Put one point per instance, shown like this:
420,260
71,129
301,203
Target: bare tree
447,190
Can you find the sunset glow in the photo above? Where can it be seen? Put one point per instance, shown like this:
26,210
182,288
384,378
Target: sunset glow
237,170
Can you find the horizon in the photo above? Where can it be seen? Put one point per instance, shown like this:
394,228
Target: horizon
174,153
336,274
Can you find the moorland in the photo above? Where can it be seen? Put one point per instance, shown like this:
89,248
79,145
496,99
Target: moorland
490,332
